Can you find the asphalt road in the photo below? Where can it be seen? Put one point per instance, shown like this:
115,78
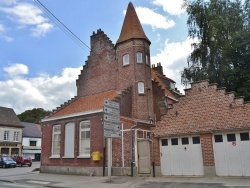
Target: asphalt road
5,172
24,177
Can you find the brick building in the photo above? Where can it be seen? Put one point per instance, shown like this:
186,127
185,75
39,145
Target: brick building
204,132
120,72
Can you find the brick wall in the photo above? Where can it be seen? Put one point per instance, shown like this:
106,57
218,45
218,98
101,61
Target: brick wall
203,110
96,134
159,95
130,75
100,70
207,149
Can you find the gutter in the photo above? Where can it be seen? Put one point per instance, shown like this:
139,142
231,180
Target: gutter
72,115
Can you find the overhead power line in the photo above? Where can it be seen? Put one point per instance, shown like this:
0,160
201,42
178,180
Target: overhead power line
76,39
63,27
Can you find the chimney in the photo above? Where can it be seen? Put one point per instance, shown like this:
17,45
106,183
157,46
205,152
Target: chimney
158,68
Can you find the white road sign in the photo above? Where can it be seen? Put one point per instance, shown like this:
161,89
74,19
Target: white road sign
111,126
112,111
113,119
112,134
112,104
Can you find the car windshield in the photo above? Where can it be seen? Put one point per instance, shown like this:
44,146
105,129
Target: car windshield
7,159
25,157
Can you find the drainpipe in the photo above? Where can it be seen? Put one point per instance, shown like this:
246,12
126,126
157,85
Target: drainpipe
153,158
131,147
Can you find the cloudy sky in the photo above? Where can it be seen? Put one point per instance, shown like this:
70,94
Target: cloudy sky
39,62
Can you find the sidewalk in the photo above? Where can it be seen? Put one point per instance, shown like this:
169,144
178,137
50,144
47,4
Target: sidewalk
73,181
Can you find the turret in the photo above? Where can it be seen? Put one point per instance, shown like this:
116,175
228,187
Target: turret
133,58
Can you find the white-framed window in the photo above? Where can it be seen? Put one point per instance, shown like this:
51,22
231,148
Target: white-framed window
125,59
33,143
56,138
139,57
69,144
147,60
84,139
141,88
172,85
15,138
6,135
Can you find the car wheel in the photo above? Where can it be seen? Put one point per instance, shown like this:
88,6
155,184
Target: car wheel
4,166
21,165
14,166
30,165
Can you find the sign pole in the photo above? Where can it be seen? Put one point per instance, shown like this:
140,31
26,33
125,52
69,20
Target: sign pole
111,127
109,159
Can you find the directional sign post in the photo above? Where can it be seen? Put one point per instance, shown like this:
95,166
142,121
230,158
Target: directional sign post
111,127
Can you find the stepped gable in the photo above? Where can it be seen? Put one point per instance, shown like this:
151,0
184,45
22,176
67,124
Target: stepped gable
84,104
156,76
104,45
131,28
100,70
205,109
164,82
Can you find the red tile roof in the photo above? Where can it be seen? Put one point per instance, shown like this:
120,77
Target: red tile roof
131,28
85,104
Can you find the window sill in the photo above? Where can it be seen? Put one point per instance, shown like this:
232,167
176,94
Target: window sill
125,65
54,157
83,157
141,94
68,157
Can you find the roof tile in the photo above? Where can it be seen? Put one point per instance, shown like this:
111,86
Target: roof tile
132,27
87,103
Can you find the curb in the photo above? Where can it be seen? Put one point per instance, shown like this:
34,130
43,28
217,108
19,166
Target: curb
7,181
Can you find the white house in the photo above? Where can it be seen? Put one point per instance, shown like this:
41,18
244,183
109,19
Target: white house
31,143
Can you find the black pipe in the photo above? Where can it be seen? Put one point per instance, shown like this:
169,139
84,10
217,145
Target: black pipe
153,164
131,168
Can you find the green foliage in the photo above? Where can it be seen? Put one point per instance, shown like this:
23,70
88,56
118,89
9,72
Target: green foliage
222,53
33,116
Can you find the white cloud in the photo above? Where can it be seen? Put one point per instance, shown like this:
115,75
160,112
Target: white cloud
173,59
26,14
41,29
157,21
173,7
16,69
43,91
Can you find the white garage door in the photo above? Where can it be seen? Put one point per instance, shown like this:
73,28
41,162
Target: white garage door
181,156
232,154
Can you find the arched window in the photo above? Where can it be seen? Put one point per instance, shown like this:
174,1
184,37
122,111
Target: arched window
140,87
139,57
84,139
56,138
125,59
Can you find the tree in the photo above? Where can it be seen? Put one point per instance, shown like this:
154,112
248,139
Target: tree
222,53
33,116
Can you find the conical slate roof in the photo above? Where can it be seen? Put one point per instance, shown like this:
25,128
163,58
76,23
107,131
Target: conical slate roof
131,28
